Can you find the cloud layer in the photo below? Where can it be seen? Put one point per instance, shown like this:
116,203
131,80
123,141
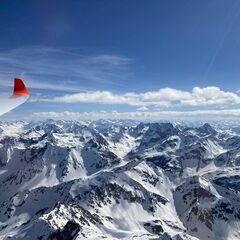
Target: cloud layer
161,115
164,97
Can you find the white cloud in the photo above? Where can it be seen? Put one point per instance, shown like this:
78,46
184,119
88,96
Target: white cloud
211,96
164,97
161,115
142,109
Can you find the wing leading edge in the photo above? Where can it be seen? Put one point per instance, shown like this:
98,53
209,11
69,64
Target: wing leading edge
19,96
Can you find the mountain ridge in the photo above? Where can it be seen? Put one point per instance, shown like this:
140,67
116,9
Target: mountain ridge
118,180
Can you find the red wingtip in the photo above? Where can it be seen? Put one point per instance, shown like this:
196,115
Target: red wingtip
19,88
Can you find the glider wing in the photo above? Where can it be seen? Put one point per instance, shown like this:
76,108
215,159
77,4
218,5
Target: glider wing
19,96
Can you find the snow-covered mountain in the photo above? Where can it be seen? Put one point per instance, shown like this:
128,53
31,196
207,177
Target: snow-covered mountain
119,180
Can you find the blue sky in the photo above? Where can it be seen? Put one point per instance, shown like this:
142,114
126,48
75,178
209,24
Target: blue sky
103,57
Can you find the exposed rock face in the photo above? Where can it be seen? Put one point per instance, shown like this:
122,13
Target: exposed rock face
69,232
118,180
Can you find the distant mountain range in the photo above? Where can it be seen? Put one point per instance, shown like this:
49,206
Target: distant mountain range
119,180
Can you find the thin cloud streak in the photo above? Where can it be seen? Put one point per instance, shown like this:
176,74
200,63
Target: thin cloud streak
44,85
231,18
52,68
